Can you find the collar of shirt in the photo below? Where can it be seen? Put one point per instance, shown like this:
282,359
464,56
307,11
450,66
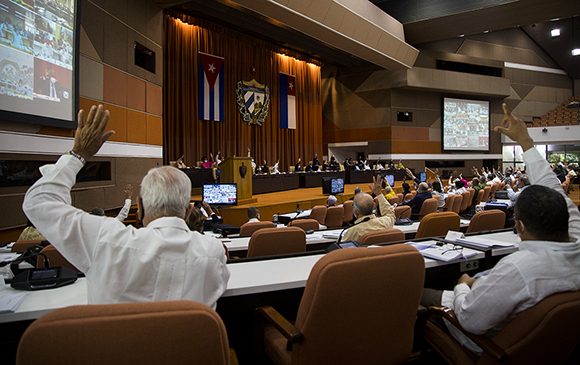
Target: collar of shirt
370,216
549,245
168,222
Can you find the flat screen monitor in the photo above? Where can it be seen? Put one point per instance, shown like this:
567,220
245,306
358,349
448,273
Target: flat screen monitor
38,61
422,176
336,185
390,180
220,194
465,125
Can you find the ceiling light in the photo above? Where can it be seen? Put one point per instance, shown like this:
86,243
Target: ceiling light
486,31
461,35
576,52
555,32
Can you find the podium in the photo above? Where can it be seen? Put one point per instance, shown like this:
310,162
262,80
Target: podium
231,173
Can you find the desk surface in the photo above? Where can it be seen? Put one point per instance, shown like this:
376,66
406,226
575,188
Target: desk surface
246,278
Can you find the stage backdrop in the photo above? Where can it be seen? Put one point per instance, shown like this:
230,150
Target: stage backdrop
185,134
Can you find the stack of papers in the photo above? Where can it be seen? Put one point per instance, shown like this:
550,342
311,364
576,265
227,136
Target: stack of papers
7,248
476,242
331,236
10,301
445,253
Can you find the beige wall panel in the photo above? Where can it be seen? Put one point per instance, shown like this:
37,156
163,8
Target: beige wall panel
90,78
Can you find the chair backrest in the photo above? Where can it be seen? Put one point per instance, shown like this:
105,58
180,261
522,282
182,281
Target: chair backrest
429,206
473,194
401,197
277,241
172,332
247,229
347,217
448,207
437,224
305,224
393,200
492,190
479,197
486,193
546,333
334,217
487,220
319,213
465,201
457,201
408,196
22,245
55,258
385,236
403,211
337,329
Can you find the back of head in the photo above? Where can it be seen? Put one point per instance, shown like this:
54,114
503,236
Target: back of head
331,201
97,211
363,204
253,212
423,187
459,184
166,192
195,220
543,212
437,186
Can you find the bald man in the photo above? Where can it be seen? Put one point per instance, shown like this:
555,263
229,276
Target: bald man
366,221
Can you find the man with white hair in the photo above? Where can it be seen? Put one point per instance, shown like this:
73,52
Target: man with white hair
162,261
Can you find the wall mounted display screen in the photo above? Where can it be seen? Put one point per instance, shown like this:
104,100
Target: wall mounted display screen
38,48
220,194
465,125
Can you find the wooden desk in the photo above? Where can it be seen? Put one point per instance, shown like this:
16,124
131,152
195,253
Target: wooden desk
273,183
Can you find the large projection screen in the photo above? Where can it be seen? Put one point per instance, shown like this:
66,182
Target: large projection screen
465,125
38,48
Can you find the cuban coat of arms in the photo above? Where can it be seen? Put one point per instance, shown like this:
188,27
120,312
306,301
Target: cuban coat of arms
253,101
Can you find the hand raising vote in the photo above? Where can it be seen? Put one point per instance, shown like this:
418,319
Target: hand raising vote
90,134
515,129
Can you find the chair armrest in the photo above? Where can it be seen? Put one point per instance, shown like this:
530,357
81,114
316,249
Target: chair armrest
487,345
291,333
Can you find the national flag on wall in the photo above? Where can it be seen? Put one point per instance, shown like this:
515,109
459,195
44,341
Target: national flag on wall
211,87
287,101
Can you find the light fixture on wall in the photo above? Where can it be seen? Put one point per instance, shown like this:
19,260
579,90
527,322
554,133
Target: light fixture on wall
576,52
555,32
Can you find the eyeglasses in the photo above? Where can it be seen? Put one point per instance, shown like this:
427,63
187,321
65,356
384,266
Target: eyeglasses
451,247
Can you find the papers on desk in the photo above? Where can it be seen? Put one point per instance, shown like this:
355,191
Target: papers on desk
331,236
476,242
7,248
10,301
442,252
7,257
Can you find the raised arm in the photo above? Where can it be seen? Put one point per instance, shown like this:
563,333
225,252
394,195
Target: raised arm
127,205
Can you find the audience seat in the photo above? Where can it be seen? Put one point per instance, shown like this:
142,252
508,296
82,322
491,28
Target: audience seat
319,213
22,245
385,236
248,228
348,214
429,206
546,333
408,197
277,241
486,194
457,202
479,197
305,224
487,220
465,201
438,224
334,217
170,332
393,200
401,197
347,314
55,258
403,211
448,207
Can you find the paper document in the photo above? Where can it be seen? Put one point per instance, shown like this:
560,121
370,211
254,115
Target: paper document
483,242
10,301
331,236
445,253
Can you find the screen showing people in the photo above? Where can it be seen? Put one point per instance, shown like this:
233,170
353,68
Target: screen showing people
465,125
220,194
336,186
37,57
390,179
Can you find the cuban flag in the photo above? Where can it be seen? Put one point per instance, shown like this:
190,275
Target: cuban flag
211,87
287,101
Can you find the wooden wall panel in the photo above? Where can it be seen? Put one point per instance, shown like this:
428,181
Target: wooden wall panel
411,146
154,130
136,127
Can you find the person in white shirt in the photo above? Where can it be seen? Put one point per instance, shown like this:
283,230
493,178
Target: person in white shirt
522,183
547,262
253,215
165,260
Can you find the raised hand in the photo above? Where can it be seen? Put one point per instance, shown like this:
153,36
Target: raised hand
90,134
376,187
515,129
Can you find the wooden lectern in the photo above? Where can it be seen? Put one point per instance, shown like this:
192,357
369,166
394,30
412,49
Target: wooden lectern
231,173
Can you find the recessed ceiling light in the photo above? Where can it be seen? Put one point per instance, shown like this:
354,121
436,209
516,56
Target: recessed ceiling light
486,31
555,32
576,52
462,35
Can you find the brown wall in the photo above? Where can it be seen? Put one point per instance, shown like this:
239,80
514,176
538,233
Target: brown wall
108,75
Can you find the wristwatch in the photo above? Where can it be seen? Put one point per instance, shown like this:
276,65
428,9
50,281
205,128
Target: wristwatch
79,157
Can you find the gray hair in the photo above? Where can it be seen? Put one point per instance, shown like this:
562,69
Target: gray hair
166,192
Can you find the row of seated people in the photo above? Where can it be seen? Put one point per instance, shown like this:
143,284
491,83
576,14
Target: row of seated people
162,252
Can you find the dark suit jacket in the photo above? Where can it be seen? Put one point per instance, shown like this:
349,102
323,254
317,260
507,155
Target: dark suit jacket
417,201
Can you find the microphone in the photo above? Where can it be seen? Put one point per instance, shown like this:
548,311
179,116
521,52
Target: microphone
366,219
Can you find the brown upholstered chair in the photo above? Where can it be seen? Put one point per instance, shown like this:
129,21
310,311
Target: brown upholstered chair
23,245
331,326
437,224
465,201
429,206
448,207
55,258
347,217
305,224
546,333
403,211
393,200
319,213
473,194
492,191
385,236
487,220
334,217
401,197
457,204
486,194
277,241
248,228
408,197
479,197
170,332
